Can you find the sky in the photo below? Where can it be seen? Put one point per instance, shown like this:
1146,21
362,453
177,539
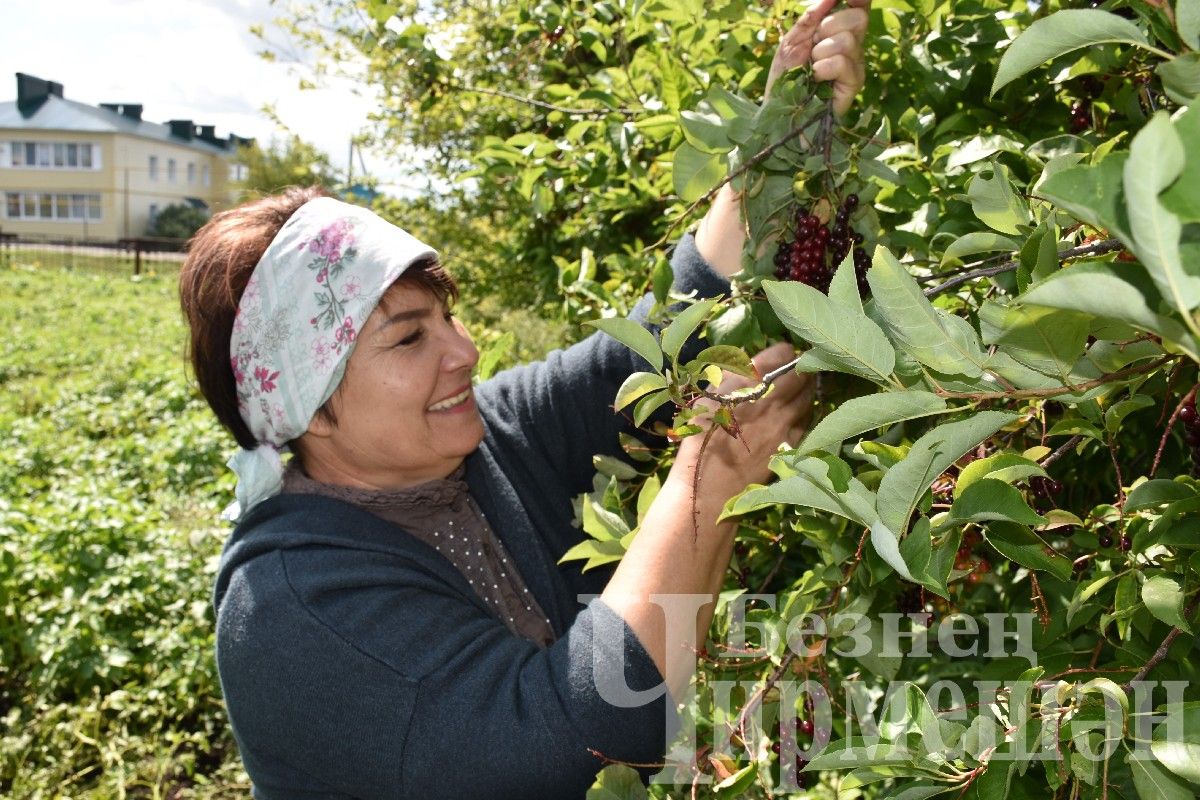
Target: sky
183,59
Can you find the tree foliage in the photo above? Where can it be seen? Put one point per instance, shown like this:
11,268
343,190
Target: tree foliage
178,221
1000,415
290,161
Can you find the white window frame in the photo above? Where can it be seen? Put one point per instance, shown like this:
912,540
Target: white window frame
50,156
79,206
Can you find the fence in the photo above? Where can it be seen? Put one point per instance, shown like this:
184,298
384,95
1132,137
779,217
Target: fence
58,252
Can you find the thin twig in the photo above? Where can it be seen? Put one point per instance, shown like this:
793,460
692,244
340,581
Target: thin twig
1162,444
1161,652
1062,450
1106,246
1030,394
529,101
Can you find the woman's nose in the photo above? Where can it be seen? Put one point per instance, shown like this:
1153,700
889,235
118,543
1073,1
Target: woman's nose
462,352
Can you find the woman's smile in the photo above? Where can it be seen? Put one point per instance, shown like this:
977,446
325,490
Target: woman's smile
456,404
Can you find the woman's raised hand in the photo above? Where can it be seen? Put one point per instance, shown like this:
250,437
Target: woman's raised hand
782,415
832,43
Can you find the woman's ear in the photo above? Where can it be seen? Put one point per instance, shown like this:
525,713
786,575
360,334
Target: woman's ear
319,427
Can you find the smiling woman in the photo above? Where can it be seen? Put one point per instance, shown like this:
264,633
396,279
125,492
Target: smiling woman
392,617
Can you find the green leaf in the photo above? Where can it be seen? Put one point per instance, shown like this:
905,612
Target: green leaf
1048,340
1007,467
1181,78
843,289
1183,198
1164,599
633,336
848,342
992,500
493,354
695,173
600,523
728,357
737,783
597,553
614,467
1060,33
1187,22
1021,545
856,503
1095,288
1115,414
683,326
1093,193
903,484
705,132
662,279
913,322
995,203
618,782
1156,158
1181,756
1155,493
1155,783
637,385
887,545
648,405
974,243
867,413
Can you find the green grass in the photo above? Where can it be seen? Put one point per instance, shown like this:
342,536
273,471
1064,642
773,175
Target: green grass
111,479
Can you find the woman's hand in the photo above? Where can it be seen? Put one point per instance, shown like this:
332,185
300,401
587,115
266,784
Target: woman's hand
833,43
782,415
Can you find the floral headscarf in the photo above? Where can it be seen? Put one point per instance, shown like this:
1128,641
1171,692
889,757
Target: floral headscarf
297,322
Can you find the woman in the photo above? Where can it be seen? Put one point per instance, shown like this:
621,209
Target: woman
392,620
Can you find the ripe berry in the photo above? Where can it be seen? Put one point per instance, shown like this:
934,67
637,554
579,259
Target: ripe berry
806,727
851,201
1126,543
1105,540
1189,415
775,748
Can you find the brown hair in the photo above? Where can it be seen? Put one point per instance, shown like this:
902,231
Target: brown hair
220,261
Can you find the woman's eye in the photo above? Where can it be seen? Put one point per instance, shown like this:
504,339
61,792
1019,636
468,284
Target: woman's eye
412,338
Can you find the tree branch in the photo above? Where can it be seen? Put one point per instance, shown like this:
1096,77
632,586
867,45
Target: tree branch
1163,648
1030,394
529,101
1106,246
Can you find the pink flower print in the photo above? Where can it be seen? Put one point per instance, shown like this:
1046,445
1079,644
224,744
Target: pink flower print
348,327
351,288
238,375
265,378
321,354
250,293
322,274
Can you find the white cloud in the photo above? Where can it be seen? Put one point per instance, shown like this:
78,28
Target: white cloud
182,59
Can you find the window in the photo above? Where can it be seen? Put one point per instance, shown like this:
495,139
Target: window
205,177
60,154
170,170
85,156
54,155
51,206
153,168
191,172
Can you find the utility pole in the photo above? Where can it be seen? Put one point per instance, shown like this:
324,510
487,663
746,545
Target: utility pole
126,202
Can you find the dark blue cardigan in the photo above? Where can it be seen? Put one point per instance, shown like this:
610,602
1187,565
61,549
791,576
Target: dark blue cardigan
356,661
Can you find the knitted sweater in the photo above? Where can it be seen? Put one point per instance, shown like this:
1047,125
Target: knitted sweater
357,661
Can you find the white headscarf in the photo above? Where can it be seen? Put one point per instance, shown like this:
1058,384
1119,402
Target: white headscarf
297,323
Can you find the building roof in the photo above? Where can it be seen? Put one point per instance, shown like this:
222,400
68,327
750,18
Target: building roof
40,106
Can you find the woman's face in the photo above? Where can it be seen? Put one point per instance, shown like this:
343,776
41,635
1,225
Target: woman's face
406,411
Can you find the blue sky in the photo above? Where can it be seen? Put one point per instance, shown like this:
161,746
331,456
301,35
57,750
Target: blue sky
182,59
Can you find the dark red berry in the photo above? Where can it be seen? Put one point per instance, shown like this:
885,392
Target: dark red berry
806,727
1105,540
1187,413
1053,486
1126,543
556,34
775,748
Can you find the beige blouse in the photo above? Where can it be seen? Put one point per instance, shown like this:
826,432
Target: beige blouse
443,514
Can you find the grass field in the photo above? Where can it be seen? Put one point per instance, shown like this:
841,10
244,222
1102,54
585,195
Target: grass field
111,478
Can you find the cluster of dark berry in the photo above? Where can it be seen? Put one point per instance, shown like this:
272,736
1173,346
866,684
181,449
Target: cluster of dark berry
1081,116
1191,432
965,558
1124,543
815,251
816,738
1045,488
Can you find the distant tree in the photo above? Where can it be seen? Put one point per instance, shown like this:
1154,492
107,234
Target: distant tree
178,221
288,162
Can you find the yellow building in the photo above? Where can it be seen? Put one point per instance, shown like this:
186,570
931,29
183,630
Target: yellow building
68,169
